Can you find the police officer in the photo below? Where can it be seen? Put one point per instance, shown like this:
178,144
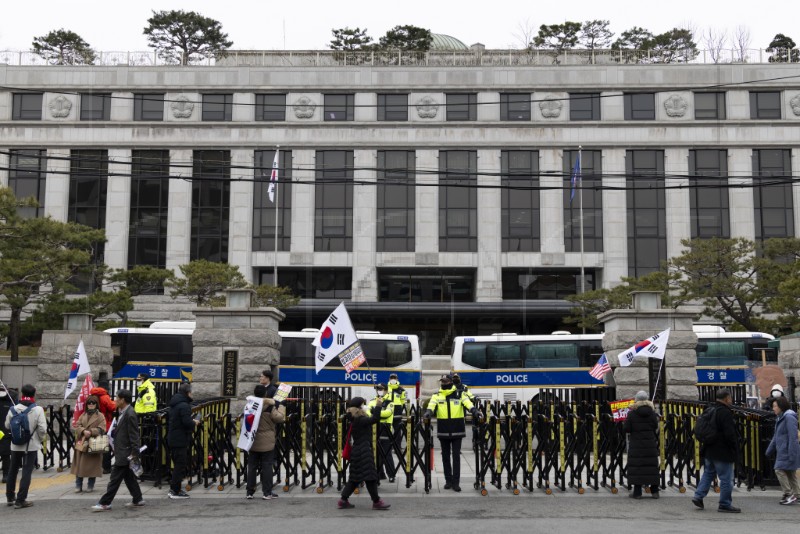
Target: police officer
397,396
384,431
448,407
462,388
146,401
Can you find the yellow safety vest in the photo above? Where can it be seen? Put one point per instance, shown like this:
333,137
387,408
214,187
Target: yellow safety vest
147,401
448,407
387,414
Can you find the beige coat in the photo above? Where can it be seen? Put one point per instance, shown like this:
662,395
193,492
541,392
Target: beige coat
85,464
265,434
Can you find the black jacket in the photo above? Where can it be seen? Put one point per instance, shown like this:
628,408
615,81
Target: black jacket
642,425
181,424
362,458
126,436
5,405
725,446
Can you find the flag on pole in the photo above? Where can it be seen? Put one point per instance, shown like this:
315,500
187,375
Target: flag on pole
80,366
652,347
337,338
273,179
80,404
600,368
576,177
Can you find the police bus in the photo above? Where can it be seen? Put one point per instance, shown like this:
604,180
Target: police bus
164,351
514,367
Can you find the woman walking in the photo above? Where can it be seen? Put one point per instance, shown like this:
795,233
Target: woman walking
786,449
642,425
90,424
362,458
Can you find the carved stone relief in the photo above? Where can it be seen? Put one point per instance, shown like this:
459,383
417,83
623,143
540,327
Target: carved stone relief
60,107
304,108
427,108
182,107
795,104
551,107
675,106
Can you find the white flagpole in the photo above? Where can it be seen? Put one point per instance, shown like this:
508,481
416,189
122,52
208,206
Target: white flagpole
658,378
277,198
580,211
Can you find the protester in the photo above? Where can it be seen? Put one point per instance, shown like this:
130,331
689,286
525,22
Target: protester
146,400
262,452
179,437
642,425
24,454
107,408
126,450
385,460
777,391
719,456
90,424
786,449
6,402
362,459
448,407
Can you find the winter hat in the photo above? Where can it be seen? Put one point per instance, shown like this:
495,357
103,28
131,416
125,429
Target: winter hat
356,402
641,396
778,388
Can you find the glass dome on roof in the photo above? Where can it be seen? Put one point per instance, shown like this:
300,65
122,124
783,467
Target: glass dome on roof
445,42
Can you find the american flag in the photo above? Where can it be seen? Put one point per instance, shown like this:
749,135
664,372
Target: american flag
600,368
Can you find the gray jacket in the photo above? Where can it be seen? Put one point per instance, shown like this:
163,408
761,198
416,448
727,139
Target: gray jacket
37,422
126,436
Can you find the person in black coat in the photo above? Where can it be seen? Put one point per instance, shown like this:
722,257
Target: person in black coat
179,437
642,426
6,403
362,458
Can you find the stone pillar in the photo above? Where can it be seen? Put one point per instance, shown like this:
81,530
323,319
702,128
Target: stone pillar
789,361
740,199
615,229
118,208
302,241
240,228
678,216
232,345
365,231
427,209
5,163
56,188
179,210
58,350
551,200
489,285
625,328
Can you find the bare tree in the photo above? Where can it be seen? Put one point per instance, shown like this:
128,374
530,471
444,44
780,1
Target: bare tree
741,43
714,40
525,33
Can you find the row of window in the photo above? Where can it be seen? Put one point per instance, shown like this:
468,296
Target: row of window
396,200
395,106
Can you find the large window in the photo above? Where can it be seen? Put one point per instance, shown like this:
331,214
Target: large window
772,177
520,201
333,209
313,282
591,195
646,210
426,285
147,234
392,107
396,200
264,208
217,107
271,107
640,106
27,107
515,106
709,106
339,107
88,185
458,201
148,107
26,178
210,205
765,105
584,106
539,284
95,107
461,106
709,193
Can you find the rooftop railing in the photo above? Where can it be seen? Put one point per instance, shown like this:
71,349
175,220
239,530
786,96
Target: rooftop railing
436,58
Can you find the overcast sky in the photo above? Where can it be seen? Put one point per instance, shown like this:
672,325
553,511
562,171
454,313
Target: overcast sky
114,25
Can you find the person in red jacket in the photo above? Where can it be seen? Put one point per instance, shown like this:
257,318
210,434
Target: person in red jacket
107,408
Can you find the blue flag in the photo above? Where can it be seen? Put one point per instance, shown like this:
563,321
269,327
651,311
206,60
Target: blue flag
576,177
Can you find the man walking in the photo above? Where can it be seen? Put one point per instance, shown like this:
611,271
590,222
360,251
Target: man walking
179,437
126,450
719,456
27,433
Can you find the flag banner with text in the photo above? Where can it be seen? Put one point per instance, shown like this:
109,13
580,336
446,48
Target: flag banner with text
338,338
80,404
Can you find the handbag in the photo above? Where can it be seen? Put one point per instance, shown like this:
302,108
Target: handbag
99,444
348,448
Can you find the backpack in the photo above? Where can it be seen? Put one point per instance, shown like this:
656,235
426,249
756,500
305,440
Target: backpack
20,426
705,429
